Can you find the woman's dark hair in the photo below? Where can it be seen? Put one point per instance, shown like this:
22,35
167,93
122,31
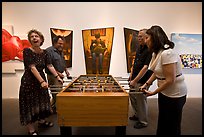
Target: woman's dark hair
37,32
159,39
55,39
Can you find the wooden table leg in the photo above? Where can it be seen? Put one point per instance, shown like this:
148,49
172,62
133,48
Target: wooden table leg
65,130
120,130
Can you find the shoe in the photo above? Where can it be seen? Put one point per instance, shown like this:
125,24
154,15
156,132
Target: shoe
139,125
33,133
134,118
45,124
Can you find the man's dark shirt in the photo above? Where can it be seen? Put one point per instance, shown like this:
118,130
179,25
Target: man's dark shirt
143,57
57,60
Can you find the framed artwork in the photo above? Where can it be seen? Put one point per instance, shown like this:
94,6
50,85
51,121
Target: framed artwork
67,49
131,43
97,45
189,47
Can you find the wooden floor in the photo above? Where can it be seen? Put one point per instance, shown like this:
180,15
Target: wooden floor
191,122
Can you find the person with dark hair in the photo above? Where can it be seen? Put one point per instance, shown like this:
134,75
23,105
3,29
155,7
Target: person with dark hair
98,49
34,99
172,90
138,76
57,59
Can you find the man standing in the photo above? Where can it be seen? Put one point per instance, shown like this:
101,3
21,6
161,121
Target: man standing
57,60
138,76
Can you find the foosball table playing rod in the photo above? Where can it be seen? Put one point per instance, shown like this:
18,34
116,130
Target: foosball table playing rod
97,90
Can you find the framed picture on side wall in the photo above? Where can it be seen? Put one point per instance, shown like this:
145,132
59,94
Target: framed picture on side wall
189,47
131,43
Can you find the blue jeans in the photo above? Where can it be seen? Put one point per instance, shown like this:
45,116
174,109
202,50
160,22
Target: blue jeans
100,62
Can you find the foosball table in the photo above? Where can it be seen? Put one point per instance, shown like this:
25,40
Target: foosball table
93,100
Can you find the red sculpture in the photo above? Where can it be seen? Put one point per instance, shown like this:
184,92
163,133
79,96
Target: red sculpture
12,46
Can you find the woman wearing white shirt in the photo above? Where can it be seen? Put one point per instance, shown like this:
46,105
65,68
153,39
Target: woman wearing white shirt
172,90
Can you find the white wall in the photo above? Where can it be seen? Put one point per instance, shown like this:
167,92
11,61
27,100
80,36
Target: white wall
178,17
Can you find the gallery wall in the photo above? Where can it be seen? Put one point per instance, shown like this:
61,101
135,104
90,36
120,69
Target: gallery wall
173,17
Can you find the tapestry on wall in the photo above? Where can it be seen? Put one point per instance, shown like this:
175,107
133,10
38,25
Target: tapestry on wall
131,43
67,49
97,45
189,47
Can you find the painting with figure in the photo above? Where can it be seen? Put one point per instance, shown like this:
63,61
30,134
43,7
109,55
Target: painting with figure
97,45
131,43
67,49
189,47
